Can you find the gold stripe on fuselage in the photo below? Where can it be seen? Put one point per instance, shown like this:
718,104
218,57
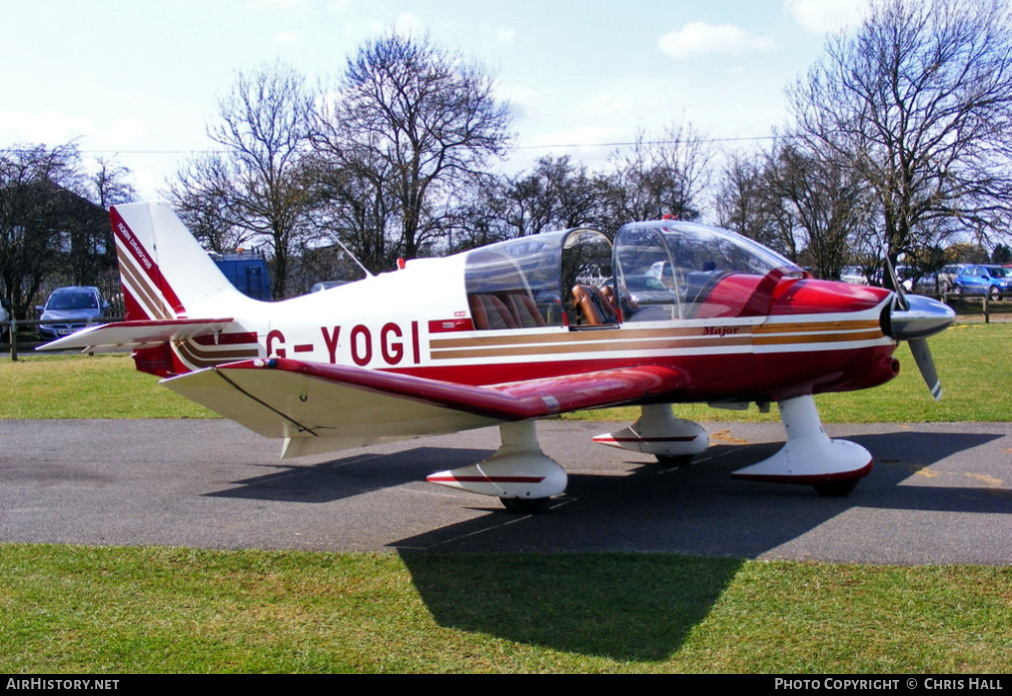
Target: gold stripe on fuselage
198,358
677,338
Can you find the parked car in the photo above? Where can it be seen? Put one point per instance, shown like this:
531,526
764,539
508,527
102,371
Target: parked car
5,317
928,284
327,284
947,276
648,290
71,309
996,281
853,275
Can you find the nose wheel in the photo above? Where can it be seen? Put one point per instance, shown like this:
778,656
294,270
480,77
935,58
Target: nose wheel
835,489
524,506
831,467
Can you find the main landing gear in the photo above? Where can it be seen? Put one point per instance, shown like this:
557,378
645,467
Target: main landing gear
831,467
524,478
673,441
519,473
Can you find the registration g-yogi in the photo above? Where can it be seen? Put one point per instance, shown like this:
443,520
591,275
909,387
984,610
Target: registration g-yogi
664,312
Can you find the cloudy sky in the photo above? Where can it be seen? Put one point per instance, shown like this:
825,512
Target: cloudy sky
139,80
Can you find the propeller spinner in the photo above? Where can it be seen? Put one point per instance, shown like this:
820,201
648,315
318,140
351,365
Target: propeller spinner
913,318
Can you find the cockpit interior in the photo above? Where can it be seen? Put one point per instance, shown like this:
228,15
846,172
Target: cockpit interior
581,279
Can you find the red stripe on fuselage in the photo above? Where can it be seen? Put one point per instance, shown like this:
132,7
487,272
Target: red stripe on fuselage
711,377
485,479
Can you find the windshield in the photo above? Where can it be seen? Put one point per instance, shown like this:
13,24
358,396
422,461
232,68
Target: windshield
73,300
667,270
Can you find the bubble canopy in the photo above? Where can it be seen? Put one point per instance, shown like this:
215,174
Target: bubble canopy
654,271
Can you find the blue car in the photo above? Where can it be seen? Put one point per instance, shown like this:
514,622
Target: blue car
71,309
995,281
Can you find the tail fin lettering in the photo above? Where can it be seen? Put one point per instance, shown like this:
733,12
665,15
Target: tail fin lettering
164,271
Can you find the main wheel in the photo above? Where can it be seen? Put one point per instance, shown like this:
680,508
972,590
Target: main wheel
524,506
675,460
835,489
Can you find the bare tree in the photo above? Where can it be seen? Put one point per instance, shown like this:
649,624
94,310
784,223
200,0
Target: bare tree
659,177
257,187
556,194
45,220
919,102
355,208
826,200
202,196
575,192
411,123
480,215
110,183
746,203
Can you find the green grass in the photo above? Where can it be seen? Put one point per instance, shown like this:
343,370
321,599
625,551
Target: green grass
972,360
76,386
115,610
67,609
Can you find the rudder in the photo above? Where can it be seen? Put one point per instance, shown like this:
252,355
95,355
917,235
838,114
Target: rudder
164,271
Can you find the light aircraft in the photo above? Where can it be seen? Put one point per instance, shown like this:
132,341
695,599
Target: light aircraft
516,331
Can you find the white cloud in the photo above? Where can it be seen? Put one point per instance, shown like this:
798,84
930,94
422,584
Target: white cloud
505,35
52,128
699,39
283,5
289,37
405,24
364,29
824,16
123,133
408,24
48,127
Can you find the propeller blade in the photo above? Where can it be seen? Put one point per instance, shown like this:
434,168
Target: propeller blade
926,364
901,300
913,318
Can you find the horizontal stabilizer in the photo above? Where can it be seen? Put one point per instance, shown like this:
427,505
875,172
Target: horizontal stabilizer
323,408
134,335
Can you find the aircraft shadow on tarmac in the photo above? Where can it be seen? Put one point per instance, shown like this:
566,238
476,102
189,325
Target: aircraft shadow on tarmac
694,510
700,509
351,476
700,522
697,509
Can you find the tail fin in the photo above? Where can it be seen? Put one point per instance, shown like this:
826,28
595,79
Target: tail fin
164,271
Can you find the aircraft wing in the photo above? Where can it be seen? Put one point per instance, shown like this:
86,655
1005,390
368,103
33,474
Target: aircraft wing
323,408
133,335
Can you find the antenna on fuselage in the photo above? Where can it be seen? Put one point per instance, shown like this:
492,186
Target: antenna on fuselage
353,257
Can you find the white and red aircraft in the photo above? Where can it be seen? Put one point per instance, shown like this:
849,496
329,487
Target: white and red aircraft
669,312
